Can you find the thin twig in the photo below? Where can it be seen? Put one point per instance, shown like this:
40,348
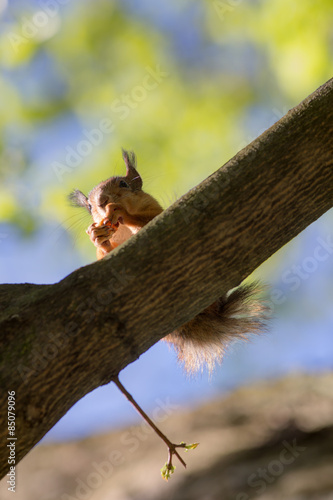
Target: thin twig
171,446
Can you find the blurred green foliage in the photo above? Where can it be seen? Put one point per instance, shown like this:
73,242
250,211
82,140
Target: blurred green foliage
184,87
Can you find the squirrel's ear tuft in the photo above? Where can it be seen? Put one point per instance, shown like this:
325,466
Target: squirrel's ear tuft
78,199
132,175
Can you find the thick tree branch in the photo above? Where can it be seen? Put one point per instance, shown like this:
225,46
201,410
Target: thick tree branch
58,342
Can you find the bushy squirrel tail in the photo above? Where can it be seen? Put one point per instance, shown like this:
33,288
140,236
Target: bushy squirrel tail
202,342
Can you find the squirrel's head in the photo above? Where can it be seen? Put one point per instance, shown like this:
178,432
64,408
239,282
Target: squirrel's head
113,190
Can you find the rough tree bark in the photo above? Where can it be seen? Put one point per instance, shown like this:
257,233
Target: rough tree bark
58,342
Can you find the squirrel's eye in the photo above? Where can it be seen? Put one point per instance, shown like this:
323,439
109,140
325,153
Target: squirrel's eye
123,184
89,207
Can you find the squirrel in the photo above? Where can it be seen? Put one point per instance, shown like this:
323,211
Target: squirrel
120,208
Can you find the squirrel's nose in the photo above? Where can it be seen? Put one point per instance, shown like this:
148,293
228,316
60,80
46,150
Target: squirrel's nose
109,209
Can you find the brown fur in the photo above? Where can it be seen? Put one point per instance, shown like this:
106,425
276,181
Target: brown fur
203,340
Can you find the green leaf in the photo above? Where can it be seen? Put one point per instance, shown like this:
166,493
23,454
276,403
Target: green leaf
167,470
191,446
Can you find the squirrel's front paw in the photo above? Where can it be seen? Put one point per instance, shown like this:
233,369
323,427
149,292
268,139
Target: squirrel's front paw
100,235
